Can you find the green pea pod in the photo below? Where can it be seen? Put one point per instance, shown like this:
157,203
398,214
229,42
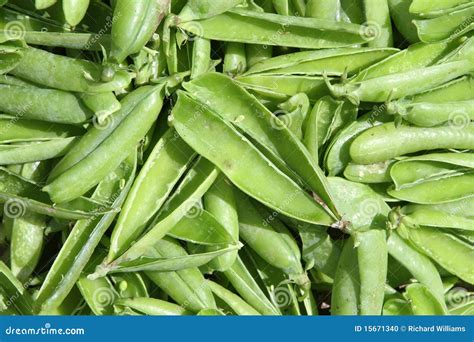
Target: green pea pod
235,60
42,104
324,9
183,202
11,54
20,194
403,19
44,4
431,218
248,289
19,299
337,155
264,128
333,62
134,24
14,130
130,285
295,111
200,9
460,89
422,301
369,174
251,27
397,307
388,141
345,298
377,15
463,207
237,304
257,53
210,125
210,312
84,238
372,257
75,10
219,200
102,149
101,104
398,85
201,62
65,73
426,6
152,306
352,11
35,151
450,26
445,249
163,169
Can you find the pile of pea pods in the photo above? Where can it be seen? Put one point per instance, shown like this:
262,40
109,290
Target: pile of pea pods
237,157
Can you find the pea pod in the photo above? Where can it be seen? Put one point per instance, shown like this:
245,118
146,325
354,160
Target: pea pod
43,4
65,73
19,299
211,126
11,55
251,27
259,123
426,6
397,307
463,207
84,238
113,143
387,141
325,9
422,301
152,306
378,16
101,104
163,169
431,218
235,302
257,53
200,9
201,62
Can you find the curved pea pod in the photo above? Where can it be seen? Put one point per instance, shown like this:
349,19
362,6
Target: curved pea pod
14,130
183,202
460,89
345,295
219,200
281,87
246,286
66,73
43,4
235,61
257,121
337,155
35,151
403,19
332,62
12,288
397,307
101,104
450,26
295,111
220,138
425,6
42,104
422,300
164,167
236,303
84,238
102,150
377,16
20,194
447,250
369,174
246,26
268,237
325,9
134,24
463,207
75,10
395,86
201,61
431,218
152,306
372,257
388,141
11,55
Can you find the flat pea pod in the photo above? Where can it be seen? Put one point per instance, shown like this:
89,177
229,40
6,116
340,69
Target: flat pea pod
66,73
11,55
381,89
236,303
427,6
43,4
323,9
164,167
372,255
84,238
75,10
257,53
219,200
14,130
224,138
251,27
345,298
422,301
369,174
463,207
200,9
432,218
134,24
260,124
460,89
397,307
445,249
43,104
387,141
245,285
201,61
35,151
101,104
445,27
295,111
377,15
11,287
152,306
143,108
